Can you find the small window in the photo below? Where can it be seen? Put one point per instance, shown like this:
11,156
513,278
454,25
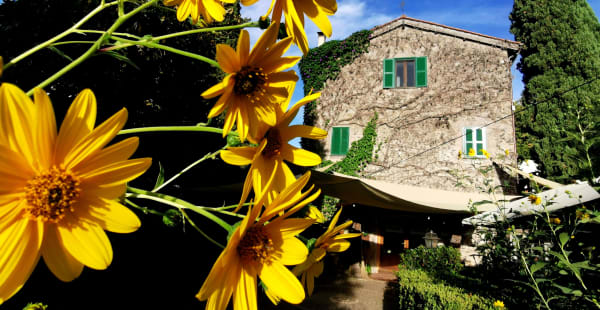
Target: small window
340,139
474,138
405,72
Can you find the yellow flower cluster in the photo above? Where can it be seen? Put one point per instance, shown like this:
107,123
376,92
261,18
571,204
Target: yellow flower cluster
534,199
498,304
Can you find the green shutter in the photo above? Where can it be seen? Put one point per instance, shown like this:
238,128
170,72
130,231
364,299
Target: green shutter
469,135
479,134
479,148
421,68
335,140
469,146
388,73
345,140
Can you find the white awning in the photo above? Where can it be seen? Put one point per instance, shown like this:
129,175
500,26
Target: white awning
397,196
554,199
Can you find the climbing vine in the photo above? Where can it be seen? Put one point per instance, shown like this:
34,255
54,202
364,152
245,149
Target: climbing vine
360,153
325,62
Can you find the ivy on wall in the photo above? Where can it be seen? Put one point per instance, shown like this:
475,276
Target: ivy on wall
360,153
323,63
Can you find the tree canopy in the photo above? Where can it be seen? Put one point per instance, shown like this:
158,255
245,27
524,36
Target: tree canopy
560,107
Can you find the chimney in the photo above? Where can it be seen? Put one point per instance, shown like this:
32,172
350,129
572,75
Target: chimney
321,39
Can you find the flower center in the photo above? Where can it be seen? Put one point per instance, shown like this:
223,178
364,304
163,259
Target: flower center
51,194
256,245
273,146
249,80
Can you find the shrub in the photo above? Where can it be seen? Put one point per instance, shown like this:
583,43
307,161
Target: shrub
419,290
437,260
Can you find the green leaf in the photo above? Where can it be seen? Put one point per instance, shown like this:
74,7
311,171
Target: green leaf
563,272
563,237
59,52
160,179
120,57
537,266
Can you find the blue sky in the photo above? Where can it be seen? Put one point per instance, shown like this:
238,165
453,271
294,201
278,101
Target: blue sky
489,17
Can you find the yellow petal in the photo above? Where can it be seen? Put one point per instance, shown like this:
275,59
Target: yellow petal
328,6
282,77
289,133
217,89
244,296
223,101
338,246
45,129
112,191
300,157
111,215
227,59
242,122
289,228
220,284
184,10
239,156
95,140
78,123
17,119
214,9
117,152
294,252
282,282
264,42
64,266
118,172
229,121
243,47
86,242
19,252
14,171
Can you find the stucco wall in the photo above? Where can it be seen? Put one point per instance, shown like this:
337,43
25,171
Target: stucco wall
469,84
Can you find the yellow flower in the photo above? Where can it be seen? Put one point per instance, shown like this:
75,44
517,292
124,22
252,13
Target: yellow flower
472,152
506,152
58,192
460,154
294,11
315,214
485,153
262,246
267,159
331,241
555,220
535,199
209,9
498,304
255,83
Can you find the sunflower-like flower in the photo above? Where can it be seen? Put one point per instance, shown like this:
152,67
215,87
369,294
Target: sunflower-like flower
267,159
294,11
58,192
485,153
472,152
331,241
255,83
209,9
534,199
262,246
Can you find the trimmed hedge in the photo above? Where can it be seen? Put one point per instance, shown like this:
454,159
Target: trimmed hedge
419,290
437,260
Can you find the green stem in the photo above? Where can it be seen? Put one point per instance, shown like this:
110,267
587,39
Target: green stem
536,287
94,47
43,45
123,34
200,230
205,157
143,209
151,44
171,128
73,42
188,32
176,202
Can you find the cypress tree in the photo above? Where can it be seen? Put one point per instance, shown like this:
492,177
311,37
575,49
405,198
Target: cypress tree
560,62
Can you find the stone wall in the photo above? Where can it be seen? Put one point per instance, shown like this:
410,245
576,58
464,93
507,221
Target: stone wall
469,84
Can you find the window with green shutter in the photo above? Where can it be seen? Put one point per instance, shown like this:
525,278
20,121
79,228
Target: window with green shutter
340,138
474,138
405,72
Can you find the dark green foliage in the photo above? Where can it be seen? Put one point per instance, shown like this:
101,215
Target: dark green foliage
325,62
436,260
561,50
419,290
360,153
157,87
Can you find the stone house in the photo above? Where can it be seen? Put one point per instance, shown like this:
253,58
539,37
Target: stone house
437,90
